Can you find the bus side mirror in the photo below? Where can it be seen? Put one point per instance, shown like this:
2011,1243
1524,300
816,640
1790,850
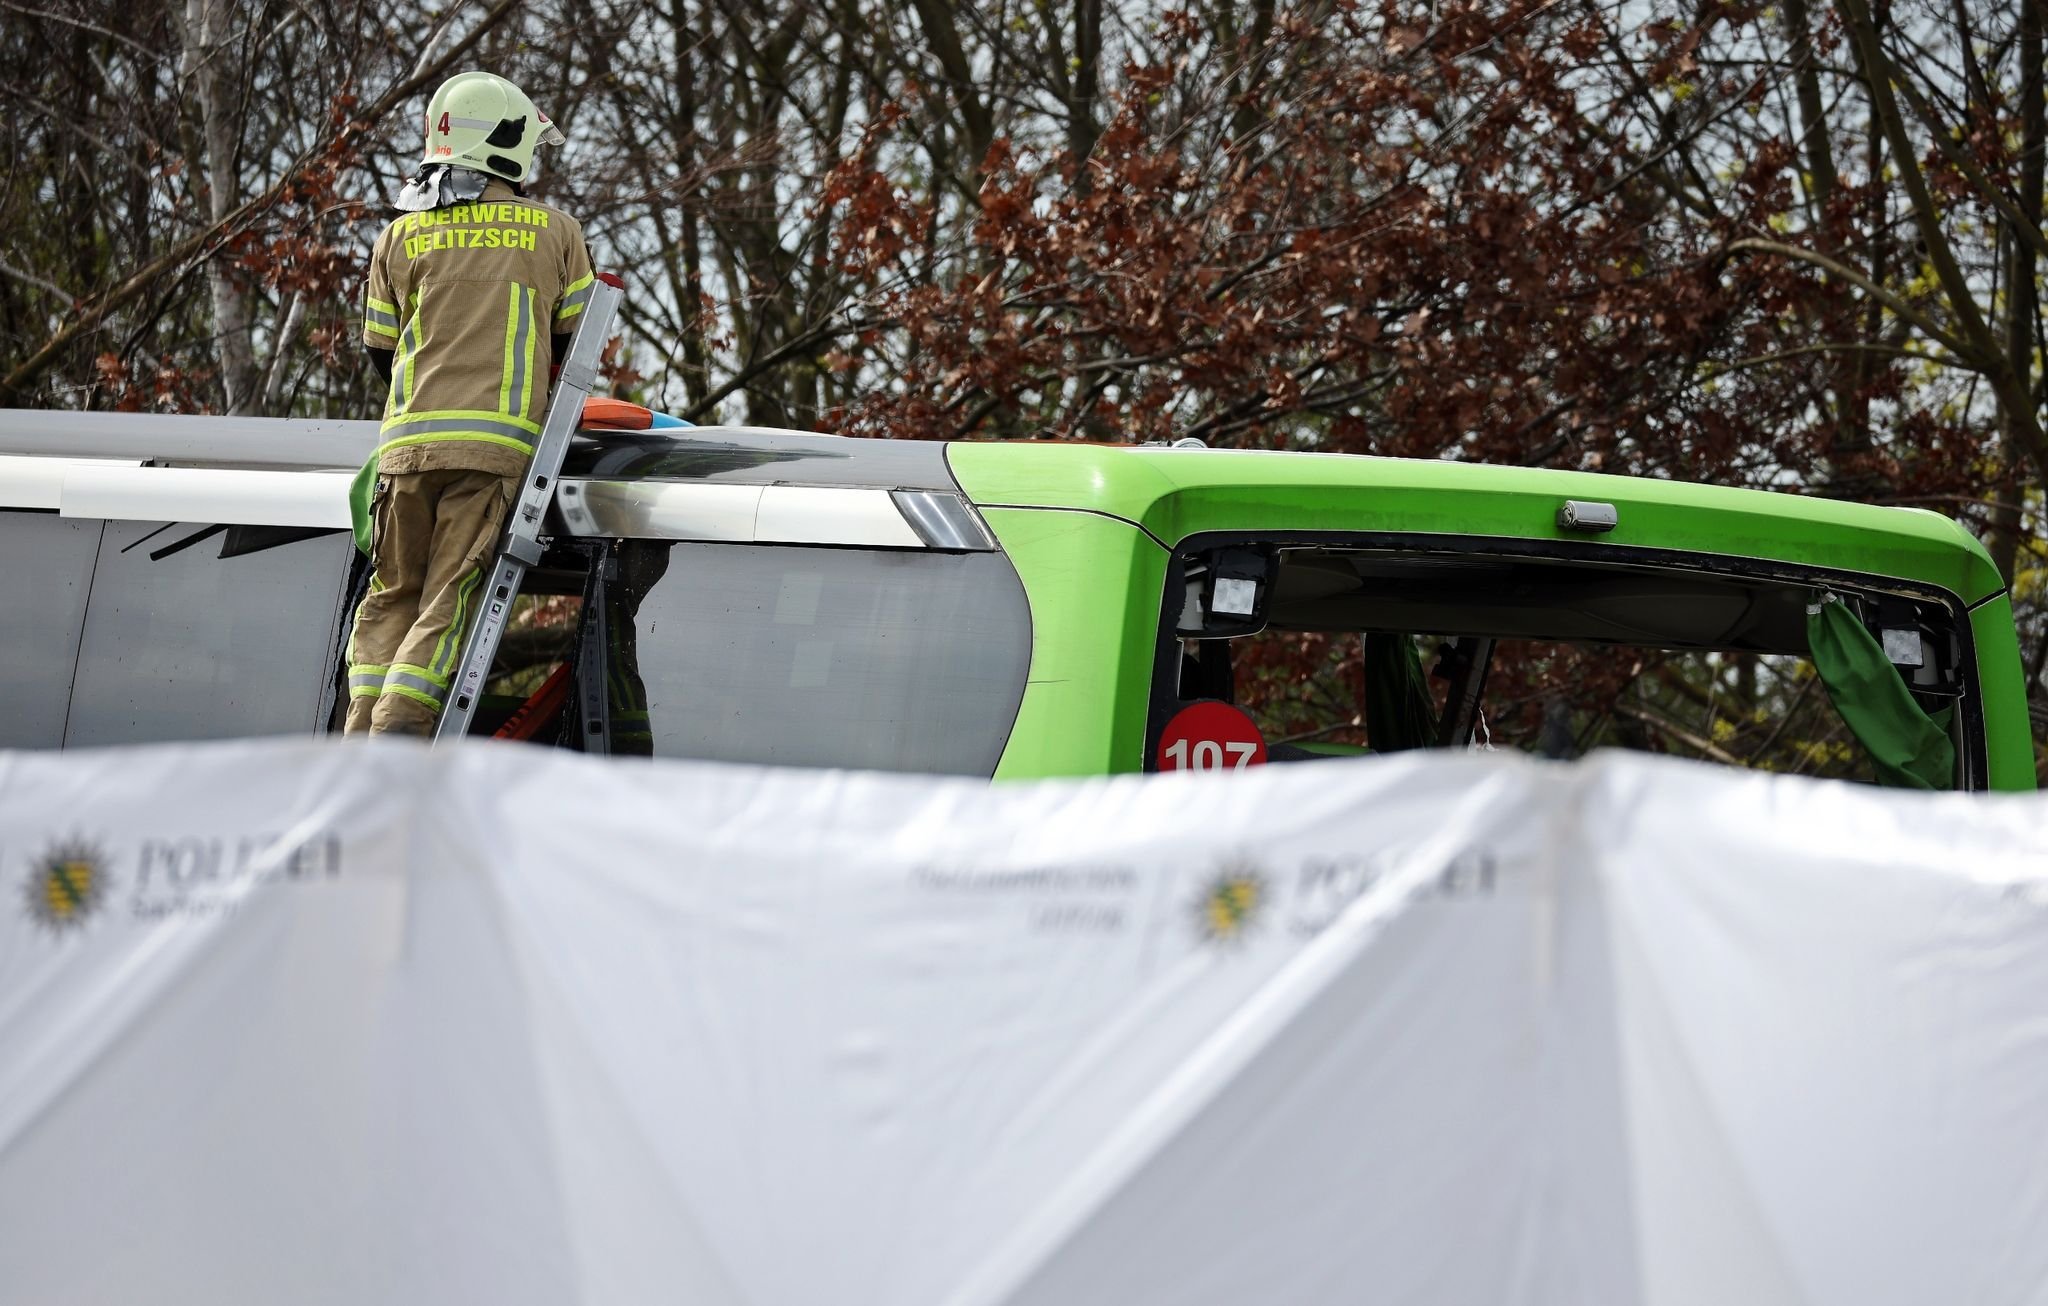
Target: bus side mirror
1226,592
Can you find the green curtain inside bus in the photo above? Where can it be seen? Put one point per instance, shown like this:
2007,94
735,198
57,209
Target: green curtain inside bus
1909,748
1399,713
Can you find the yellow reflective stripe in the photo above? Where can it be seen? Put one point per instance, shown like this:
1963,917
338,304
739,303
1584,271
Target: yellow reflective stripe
424,700
574,296
511,330
365,679
524,349
502,441
443,660
416,684
412,353
432,679
408,345
409,429
379,318
395,402
481,417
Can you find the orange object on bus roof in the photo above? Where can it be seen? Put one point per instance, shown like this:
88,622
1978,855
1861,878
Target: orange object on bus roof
615,415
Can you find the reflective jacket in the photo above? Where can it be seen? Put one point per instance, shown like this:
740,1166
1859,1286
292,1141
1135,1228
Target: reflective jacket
468,296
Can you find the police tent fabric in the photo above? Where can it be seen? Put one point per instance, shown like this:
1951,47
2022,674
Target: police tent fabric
312,1022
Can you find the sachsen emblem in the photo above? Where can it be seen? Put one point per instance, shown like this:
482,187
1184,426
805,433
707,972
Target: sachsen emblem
1231,903
66,886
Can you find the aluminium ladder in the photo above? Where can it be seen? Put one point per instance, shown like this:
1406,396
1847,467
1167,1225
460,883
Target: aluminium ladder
521,548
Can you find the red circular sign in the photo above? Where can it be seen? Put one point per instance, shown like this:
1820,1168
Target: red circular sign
1210,736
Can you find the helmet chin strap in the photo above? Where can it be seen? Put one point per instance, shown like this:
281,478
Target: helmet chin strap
437,185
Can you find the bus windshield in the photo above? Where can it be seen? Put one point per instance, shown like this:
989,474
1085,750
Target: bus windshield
1384,650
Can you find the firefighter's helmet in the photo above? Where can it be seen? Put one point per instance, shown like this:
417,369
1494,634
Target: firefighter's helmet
481,121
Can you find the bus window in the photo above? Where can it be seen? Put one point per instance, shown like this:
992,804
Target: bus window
1382,651
42,609
182,643
803,656
1563,700
1765,711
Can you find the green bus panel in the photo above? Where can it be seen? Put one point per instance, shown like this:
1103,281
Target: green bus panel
2008,737
1094,585
1177,493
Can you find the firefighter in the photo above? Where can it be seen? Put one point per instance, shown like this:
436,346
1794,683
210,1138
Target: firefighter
472,293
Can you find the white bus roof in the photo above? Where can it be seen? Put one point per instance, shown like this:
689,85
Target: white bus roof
177,440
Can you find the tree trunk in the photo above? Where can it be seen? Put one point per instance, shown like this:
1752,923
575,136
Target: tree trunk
1813,118
1081,126
208,64
943,39
2022,309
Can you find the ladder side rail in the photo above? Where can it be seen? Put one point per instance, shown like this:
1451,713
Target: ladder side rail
578,377
594,703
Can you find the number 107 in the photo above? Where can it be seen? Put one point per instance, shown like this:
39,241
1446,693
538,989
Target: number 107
1207,755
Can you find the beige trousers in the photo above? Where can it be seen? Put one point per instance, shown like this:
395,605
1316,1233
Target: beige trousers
433,536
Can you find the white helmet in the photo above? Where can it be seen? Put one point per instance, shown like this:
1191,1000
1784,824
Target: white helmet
483,122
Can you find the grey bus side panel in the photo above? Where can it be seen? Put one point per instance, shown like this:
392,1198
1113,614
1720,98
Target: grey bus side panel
891,660
46,565
195,646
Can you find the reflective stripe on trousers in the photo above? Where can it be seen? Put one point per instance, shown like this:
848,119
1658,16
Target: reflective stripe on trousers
416,683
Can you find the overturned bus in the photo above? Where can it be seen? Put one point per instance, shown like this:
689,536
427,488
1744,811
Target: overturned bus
1007,609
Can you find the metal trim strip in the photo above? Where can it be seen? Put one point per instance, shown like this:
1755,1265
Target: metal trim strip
735,514
945,521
